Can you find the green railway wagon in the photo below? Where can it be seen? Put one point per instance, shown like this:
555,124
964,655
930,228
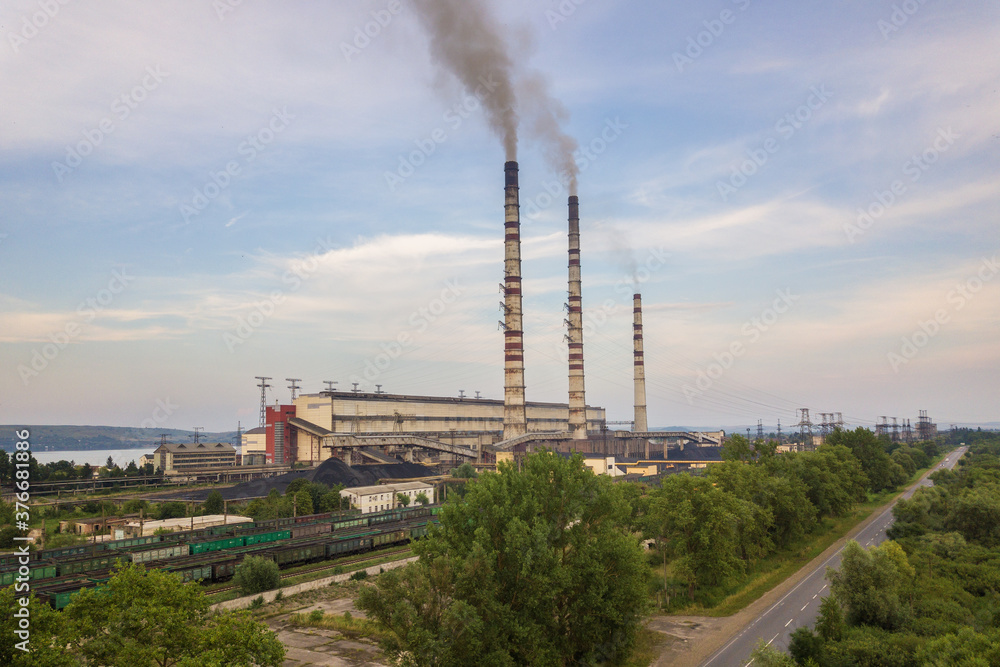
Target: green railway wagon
195,572
299,553
129,542
390,537
216,545
36,572
262,538
350,522
160,552
75,551
84,565
350,545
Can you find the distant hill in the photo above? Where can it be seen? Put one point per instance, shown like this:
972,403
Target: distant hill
61,438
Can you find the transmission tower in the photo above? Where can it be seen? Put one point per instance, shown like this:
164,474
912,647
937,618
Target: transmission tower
840,421
294,387
197,434
163,438
895,430
264,386
882,426
329,384
805,429
779,431
760,430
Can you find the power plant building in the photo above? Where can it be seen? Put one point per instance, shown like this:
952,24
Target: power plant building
296,432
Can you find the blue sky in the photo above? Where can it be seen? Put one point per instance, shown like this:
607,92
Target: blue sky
192,196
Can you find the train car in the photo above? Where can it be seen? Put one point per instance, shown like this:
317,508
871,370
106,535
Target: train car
104,561
395,536
129,542
216,545
262,538
275,523
290,554
37,571
348,545
307,529
159,552
198,571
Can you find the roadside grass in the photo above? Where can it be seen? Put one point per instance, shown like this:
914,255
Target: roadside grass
648,645
736,594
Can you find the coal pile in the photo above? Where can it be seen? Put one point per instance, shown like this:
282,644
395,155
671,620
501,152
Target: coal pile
695,453
330,472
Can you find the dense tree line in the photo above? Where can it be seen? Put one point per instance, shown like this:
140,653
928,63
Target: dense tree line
931,595
61,471
301,497
138,619
711,527
534,566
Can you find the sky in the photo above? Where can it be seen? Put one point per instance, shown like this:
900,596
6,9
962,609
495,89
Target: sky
193,194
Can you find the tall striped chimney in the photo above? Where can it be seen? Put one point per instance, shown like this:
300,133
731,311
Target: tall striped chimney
577,402
515,422
640,369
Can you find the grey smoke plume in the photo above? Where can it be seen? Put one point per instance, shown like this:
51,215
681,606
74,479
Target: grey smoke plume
547,116
465,39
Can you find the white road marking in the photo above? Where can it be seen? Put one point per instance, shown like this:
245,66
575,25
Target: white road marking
804,606
772,639
814,597
789,621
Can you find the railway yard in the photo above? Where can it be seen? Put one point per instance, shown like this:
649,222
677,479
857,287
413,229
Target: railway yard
210,555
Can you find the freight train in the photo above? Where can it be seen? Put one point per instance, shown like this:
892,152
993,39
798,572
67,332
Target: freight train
212,554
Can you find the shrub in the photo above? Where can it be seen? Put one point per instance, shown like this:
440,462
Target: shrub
257,602
316,615
256,574
359,575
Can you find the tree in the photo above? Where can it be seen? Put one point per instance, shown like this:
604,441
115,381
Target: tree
214,503
131,469
875,462
303,503
696,523
532,567
868,584
135,505
87,472
257,574
171,510
830,624
465,471
403,499
110,463
150,618
737,448
422,498
46,625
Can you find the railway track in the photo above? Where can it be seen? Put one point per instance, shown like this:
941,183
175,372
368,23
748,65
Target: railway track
352,561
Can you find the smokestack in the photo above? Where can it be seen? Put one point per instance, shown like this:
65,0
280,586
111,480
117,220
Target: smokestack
577,402
640,369
515,422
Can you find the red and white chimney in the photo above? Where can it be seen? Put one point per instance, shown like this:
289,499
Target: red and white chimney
515,422
641,426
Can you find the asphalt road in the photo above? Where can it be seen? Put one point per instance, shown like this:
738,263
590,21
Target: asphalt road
800,606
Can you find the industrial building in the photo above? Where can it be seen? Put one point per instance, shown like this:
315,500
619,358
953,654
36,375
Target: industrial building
174,459
385,496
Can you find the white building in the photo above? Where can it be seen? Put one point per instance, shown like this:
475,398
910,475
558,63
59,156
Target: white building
383,496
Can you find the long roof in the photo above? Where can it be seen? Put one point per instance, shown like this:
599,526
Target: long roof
192,448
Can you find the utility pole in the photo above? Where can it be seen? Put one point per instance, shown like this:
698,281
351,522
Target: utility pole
329,384
264,386
294,386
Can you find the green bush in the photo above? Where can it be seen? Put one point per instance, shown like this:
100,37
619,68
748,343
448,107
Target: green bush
316,615
359,575
256,574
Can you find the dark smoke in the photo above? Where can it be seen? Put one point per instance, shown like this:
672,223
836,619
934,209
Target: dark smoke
547,118
465,39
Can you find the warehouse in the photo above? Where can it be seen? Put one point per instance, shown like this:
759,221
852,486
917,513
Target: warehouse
385,496
175,459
